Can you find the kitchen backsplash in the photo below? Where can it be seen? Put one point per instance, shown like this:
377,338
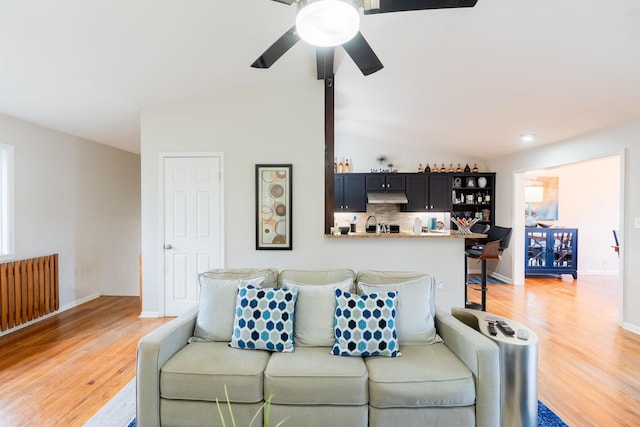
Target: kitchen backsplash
391,214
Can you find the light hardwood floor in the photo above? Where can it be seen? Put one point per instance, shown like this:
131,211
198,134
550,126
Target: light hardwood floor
589,367
59,372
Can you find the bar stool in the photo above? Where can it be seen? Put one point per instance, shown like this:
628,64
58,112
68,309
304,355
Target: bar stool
497,240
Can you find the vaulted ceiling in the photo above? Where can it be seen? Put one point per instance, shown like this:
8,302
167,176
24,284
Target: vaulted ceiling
473,78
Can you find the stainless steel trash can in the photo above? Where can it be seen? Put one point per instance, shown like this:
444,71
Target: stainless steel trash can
518,367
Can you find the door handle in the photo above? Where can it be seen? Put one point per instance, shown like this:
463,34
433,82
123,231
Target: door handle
168,246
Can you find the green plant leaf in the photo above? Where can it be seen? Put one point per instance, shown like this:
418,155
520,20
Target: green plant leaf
265,408
224,424
226,395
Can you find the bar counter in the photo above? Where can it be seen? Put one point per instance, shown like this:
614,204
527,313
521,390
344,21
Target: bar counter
444,234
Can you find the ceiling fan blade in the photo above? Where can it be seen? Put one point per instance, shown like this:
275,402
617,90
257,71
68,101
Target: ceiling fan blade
362,54
385,6
277,49
324,62
285,1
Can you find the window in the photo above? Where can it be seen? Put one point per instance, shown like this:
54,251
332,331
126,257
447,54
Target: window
6,202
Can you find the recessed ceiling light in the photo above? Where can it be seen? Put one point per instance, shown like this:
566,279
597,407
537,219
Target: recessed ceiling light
528,137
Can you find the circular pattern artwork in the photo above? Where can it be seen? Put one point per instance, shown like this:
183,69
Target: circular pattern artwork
274,210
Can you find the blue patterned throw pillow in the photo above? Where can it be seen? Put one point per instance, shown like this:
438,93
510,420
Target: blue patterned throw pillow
365,325
264,319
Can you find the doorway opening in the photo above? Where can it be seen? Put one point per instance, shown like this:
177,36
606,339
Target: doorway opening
588,199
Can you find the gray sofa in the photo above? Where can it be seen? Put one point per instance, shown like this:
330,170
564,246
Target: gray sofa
446,373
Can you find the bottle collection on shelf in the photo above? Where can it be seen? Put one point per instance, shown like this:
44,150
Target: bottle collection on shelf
464,198
343,166
483,215
451,169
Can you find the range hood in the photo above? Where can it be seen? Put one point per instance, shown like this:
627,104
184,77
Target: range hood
386,197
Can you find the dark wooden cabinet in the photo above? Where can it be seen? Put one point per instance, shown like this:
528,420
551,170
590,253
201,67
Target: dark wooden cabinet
428,192
469,195
440,193
385,181
551,251
473,195
350,194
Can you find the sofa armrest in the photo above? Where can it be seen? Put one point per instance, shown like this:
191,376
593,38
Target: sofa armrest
154,349
482,357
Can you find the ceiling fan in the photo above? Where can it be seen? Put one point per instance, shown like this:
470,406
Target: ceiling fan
322,26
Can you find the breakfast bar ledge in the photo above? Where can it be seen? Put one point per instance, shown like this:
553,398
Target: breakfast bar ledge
444,234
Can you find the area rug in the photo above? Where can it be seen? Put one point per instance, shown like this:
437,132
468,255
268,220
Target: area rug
121,411
546,417
477,280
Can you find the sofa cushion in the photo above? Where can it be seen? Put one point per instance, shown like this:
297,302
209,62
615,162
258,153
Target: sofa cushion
425,376
270,274
416,309
217,301
200,370
264,319
312,376
364,325
217,307
316,277
315,309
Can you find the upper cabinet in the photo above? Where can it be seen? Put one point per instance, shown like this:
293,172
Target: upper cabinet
428,192
469,195
350,195
385,181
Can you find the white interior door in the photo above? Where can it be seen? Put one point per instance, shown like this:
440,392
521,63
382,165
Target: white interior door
192,227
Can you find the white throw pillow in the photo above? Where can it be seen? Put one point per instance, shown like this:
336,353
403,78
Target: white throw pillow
416,309
315,309
217,307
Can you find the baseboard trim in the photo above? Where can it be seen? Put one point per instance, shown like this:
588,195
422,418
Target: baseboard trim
631,328
149,315
598,273
46,316
502,278
78,302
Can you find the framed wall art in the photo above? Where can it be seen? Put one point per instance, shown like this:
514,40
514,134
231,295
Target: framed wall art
273,207
547,208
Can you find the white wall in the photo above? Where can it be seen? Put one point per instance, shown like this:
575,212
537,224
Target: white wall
623,140
79,199
279,124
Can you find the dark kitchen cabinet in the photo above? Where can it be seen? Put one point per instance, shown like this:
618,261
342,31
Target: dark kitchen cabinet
428,192
385,181
350,194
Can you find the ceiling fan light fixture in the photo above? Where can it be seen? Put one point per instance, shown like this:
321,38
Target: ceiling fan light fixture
327,22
